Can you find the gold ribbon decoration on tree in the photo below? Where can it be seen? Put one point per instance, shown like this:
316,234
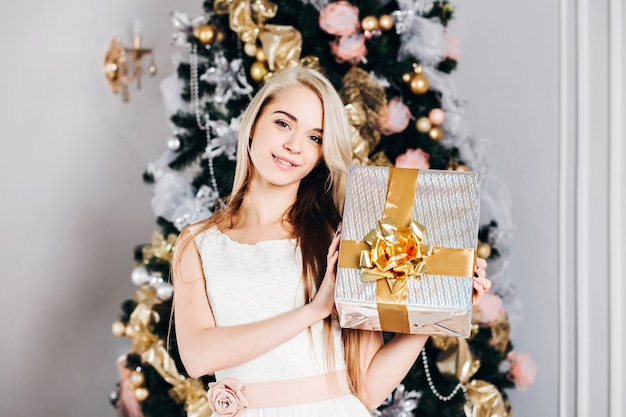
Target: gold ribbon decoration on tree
139,328
282,44
455,361
484,400
185,390
363,93
160,247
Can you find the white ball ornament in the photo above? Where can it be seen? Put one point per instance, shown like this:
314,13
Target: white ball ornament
173,143
165,291
140,276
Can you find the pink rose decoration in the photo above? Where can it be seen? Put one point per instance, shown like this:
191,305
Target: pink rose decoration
226,398
413,158
349,48
396,118
340,18
127,404
522,370
490,308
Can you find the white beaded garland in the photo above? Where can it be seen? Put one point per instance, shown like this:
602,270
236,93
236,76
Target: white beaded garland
431,385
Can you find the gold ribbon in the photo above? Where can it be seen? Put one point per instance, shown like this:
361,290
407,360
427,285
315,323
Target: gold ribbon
365,99
455,361
484,400
188,390
160,247
246,17
282,46
391,305
138,328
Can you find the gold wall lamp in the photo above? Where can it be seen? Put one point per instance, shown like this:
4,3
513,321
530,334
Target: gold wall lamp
122,65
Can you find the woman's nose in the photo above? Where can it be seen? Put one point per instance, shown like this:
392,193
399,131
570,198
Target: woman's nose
292,144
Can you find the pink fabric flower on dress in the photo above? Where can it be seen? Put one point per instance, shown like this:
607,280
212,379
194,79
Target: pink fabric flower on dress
522,370
350,49
490,308
340,18
226,398
396,118
413,158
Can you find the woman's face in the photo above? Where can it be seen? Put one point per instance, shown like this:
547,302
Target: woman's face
287,138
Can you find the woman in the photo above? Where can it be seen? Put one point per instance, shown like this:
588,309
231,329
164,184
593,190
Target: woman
254,283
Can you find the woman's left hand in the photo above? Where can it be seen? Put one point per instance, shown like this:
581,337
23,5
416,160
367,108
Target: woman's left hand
481,283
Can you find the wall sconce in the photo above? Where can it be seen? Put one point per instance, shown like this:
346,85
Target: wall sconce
122,65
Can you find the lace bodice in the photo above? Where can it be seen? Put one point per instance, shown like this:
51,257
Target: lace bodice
251,282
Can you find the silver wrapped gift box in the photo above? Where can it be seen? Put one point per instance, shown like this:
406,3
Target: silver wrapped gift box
407,251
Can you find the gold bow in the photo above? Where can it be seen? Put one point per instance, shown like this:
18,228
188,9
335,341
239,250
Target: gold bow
160,247
484,400
282,46
188,390
395,253
246,17
139,326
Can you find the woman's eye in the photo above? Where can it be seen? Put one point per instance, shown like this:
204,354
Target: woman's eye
316,139
282,123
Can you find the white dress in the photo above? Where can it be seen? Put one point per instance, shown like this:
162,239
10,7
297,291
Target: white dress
251,282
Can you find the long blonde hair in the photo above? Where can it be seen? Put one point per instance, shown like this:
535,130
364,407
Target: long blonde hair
319,203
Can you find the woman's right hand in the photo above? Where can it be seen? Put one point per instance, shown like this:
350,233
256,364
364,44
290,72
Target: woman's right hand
324,300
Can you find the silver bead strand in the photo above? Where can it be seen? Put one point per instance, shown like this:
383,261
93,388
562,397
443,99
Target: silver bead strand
197,106
431,385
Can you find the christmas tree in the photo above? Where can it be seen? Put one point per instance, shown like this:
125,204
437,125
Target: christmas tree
391,63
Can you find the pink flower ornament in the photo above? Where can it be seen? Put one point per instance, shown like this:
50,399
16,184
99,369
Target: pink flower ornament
350,49
413,158
396,118
522,371
490,308
226,398
340,18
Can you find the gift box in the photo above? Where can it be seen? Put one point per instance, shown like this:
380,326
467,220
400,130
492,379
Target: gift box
408,250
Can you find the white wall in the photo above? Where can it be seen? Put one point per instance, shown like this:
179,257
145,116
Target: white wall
73,202
73,205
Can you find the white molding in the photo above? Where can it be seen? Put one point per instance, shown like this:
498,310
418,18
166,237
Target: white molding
564,232
582,227
616,196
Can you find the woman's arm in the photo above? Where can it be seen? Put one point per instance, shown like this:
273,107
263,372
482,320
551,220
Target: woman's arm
205,347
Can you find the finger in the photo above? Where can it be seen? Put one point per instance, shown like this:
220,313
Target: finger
482,263
483,282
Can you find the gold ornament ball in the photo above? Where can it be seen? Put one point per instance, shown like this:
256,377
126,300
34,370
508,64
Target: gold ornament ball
483,250
406,77
385,22
460,167
369,23
129,331
260,55
118,328
136,378
419,84
250,49
423,124
204,33
258,70
141,393
435,133
418,69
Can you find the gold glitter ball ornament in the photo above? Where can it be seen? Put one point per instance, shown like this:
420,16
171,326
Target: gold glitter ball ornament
205,33
423,125
258,70
483,250
385,22
369,23
118,328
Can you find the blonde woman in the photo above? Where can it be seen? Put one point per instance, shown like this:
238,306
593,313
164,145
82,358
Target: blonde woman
254,283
